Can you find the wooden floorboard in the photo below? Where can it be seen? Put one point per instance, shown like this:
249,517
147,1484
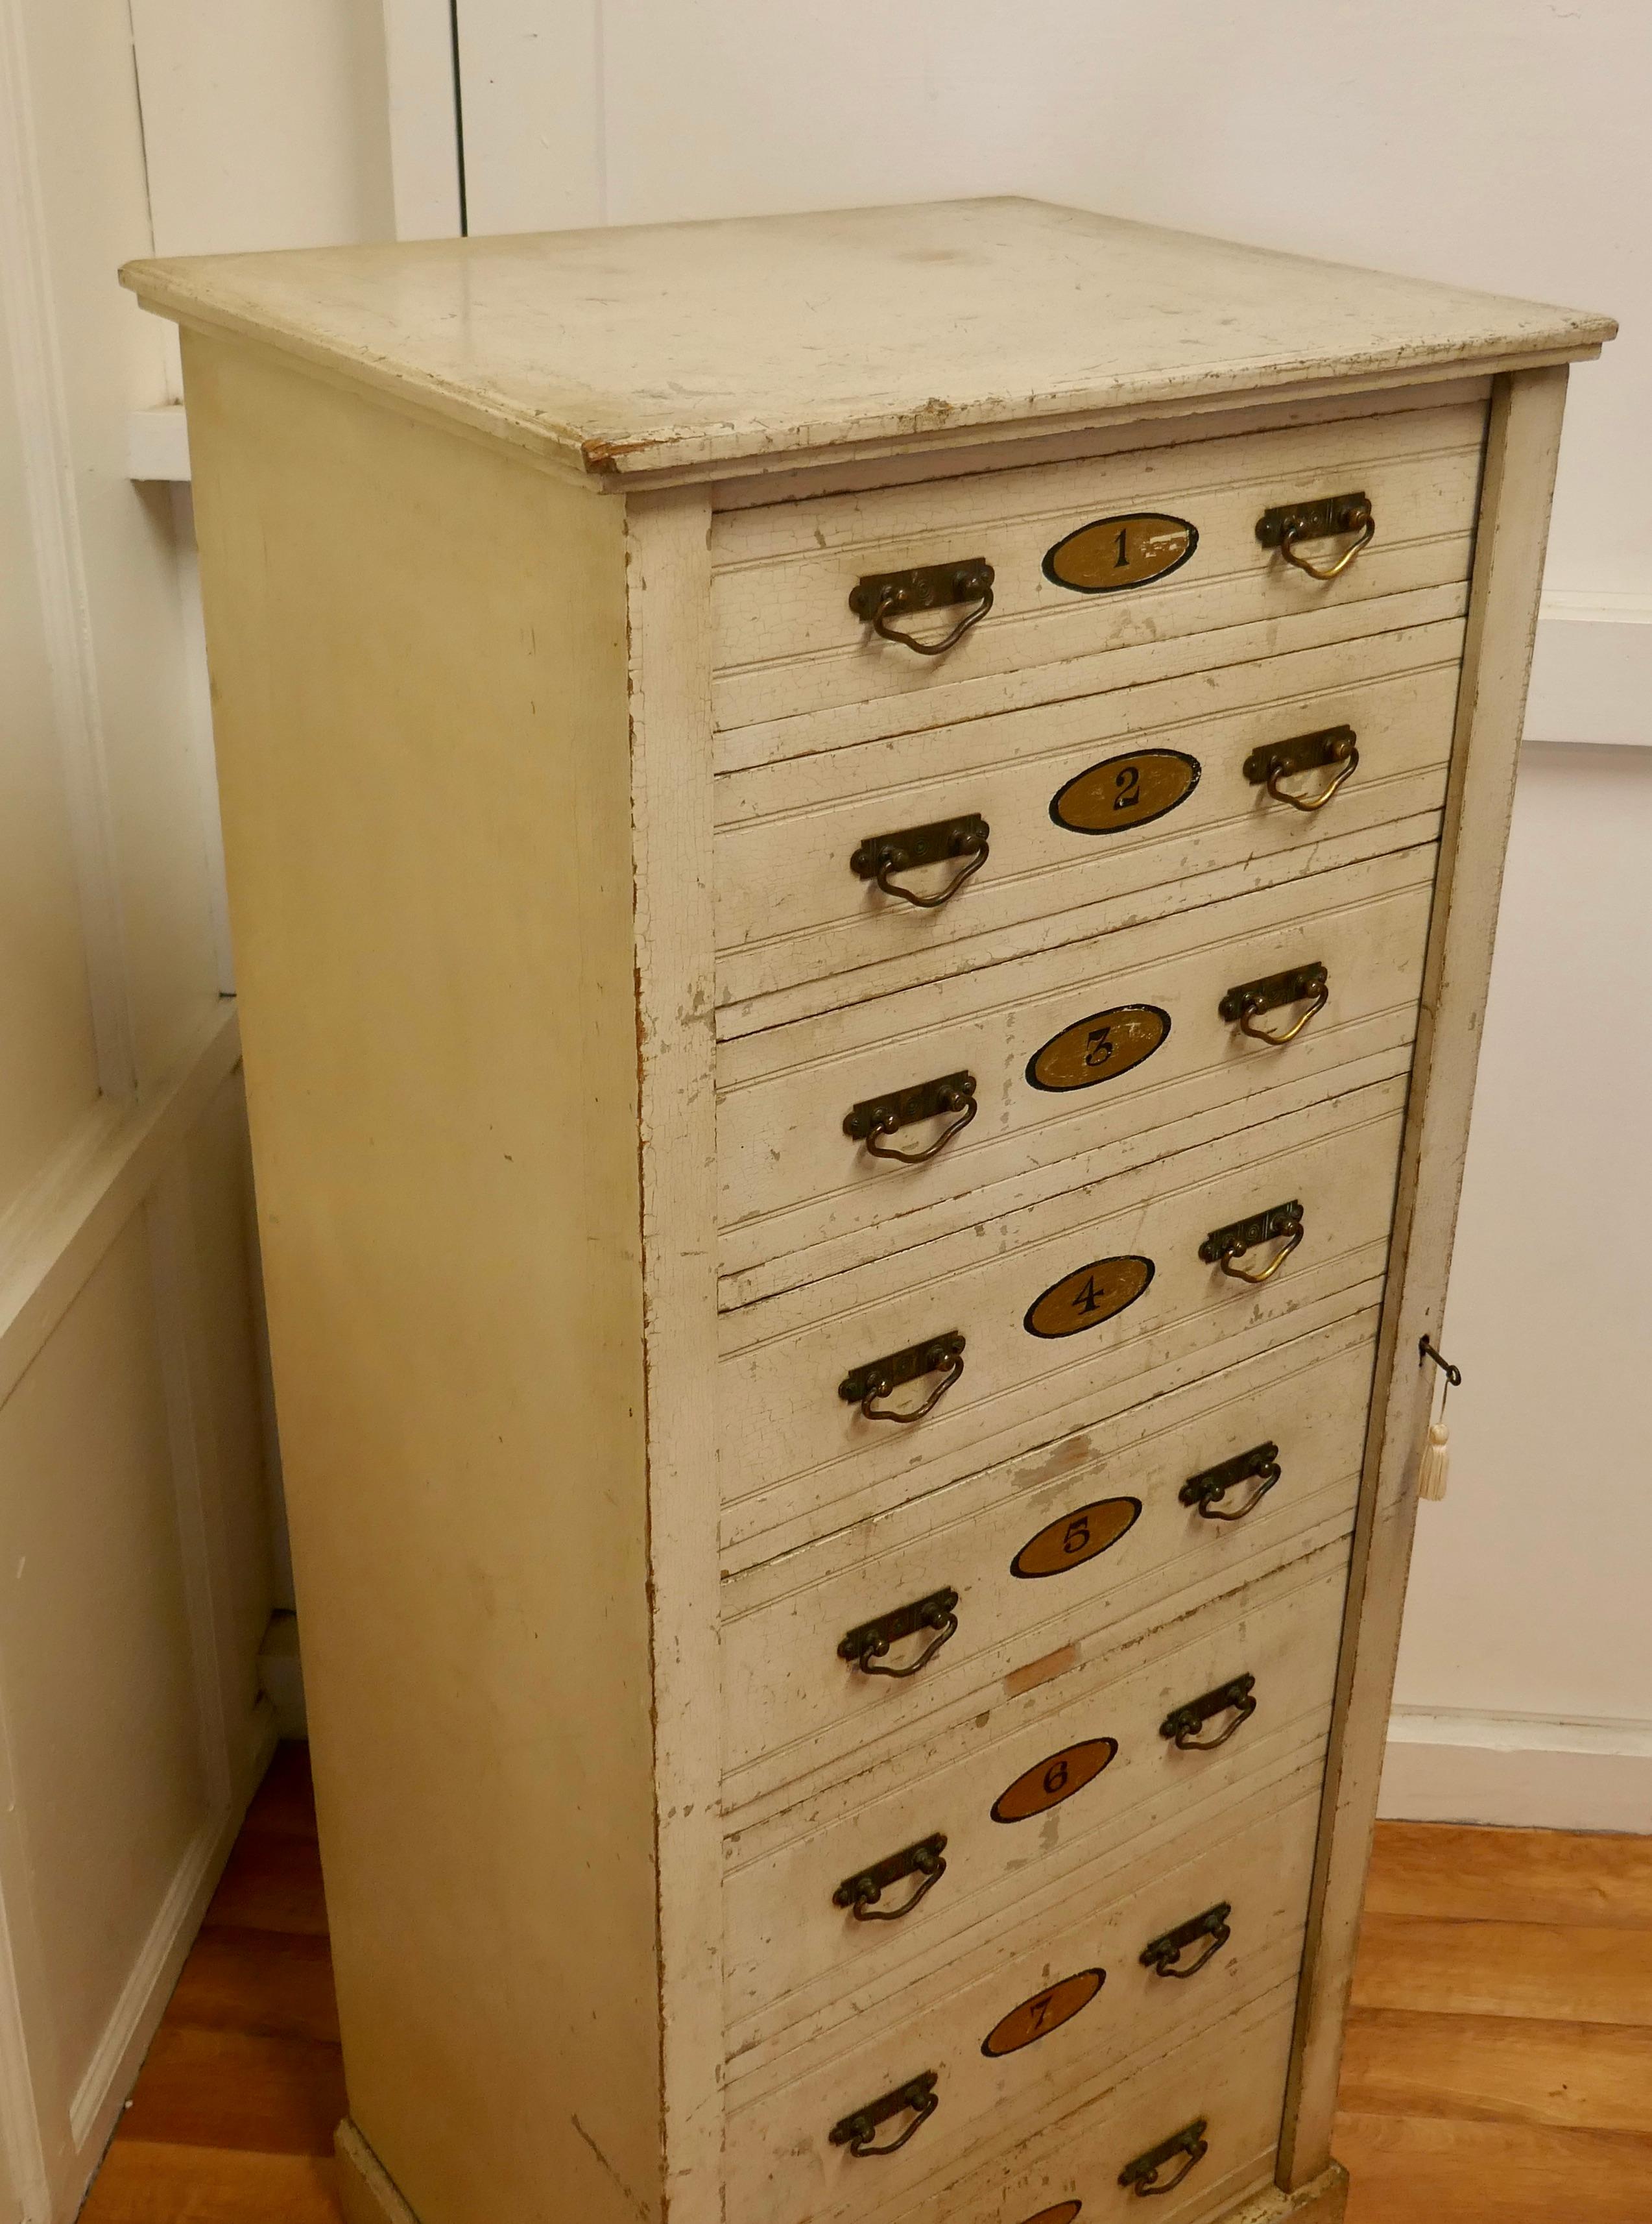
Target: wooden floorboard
1498,2067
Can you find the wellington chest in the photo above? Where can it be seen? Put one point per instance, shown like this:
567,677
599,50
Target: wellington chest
862,852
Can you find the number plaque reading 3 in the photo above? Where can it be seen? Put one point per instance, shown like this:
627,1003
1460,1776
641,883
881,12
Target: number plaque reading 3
1098,1048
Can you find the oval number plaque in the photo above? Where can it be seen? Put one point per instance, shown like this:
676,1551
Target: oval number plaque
1111,552
1062,2213
1098,1048
1052,1779
1089,1296
1127,791
1075,1538
1045,2012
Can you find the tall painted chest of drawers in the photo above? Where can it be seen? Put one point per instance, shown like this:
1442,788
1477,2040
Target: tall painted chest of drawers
863,851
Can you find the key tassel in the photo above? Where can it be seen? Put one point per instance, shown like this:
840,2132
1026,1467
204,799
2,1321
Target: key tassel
1436,1466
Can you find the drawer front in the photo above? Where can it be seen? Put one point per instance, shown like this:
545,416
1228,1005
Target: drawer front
1025,1791
1032,1294
792,910
1127,1044
786,643
1084,1544
1231,2080
1042,2015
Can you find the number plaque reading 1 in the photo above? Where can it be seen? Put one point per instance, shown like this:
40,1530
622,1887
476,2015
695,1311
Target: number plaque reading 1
1052,1779
1128,791
1089,1296
1098,1048
1045,2012
1074,1538
1111,552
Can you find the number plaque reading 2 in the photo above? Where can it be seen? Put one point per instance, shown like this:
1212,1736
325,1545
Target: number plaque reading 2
1112,553
1124,791
1089,1296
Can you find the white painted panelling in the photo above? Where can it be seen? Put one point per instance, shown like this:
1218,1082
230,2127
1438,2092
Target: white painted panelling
157,443
1592,676
1531,1772
423,120
532,77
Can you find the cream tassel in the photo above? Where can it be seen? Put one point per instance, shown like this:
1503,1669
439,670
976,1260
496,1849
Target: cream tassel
1435,1465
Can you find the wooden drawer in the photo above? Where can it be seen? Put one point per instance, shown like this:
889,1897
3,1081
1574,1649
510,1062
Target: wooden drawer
793,1451
786,645
1024,1548
1063,2005
1231,2079
798,930
795,1958
1082,1061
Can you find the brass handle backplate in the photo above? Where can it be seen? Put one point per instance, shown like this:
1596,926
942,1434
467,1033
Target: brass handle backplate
1207,1489
1280,1223
881,855
861,1893
1301,984
874,1117
1183,1724
1162,1955
859,2130
866,1646
939,1355
1333,515
1142,2174
1277,761
881,595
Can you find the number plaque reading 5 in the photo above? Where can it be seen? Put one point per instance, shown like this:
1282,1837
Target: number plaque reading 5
1112,553
1074,1538
1052,1779
1089,1296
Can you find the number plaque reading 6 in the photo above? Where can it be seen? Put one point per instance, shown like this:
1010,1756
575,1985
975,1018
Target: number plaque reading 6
1123,792
1111,552
1098,1048
1045,2012
1052,1779
1089,1296
1072,1539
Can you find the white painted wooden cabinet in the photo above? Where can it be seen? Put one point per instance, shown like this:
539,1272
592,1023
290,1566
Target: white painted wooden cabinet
863,851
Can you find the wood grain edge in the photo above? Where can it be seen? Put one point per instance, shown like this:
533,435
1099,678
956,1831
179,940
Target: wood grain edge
1323,2200
668,591
1522,447
365,2191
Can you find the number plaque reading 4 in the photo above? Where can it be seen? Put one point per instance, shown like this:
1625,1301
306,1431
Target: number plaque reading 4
1089,1296
1052,1779
1098,1048
1045,2012
1112,552
1127,791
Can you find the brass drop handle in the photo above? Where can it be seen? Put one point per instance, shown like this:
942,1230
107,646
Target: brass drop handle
867,1646
1243,1007
880,856
925,1861
859,2131
1278,762
1207,1489
877,1378
869,1122
881,595
1291,522
1281,1224
1163,1956
1142,2174
1183,1724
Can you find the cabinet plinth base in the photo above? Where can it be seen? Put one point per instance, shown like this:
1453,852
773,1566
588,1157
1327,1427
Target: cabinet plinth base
1323,2201
365,2193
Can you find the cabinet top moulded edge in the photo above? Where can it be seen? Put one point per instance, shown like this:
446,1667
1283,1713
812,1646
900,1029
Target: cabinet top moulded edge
636,353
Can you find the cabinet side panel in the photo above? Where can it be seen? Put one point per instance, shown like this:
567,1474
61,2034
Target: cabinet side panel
418,661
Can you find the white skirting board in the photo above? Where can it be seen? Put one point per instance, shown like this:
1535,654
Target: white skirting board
1536,1772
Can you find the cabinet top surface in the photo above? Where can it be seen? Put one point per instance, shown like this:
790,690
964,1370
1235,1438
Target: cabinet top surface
660,349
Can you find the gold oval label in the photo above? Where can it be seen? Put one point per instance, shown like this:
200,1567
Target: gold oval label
1098,1048
1075,1538
1127,791
1089,1296
1111,552
1052,1779
1062,2213
1045,2012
